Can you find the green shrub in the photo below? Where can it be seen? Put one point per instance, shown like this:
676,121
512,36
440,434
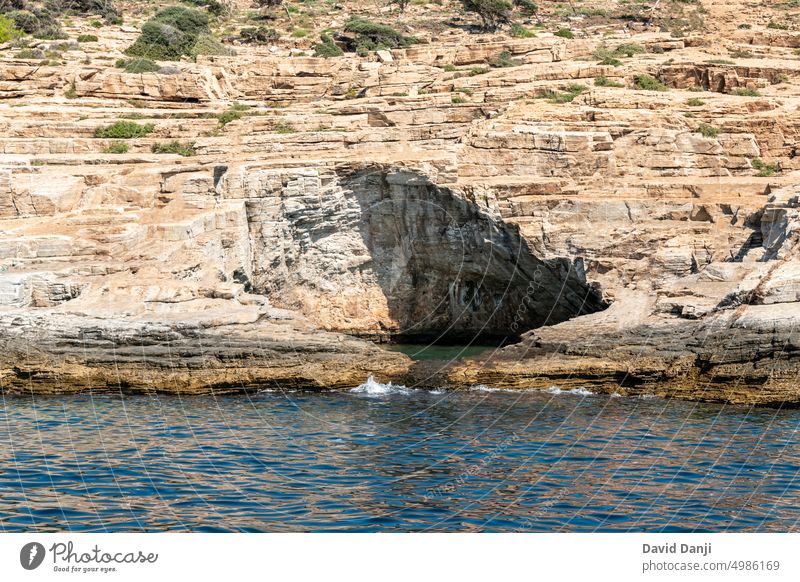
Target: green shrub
71,92
118,147
572,91
503,60
260,35
124,130
37,22
764,170
299,33
606,57
604,81
649,83
449,68
720,62
29,54
695,102
283,128
87,38
371,36
708,130
779,78
777,25
519,31
629,49
227,116
174,147
96,24
208,45
8,30
745,92
475,71
527,7
492,13
327,48
457,100
564,33
137,65
170,34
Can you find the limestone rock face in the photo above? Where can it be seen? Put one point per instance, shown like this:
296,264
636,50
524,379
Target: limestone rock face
638,241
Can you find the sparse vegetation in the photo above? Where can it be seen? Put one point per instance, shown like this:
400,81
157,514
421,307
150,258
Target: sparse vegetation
372,36
118,147
226,117
708,130
519,31
695,102
258,35
605,57
283,128
567,96
764,170
140,65
457,100
124,130
492,13
503,60
173,147
564,33
71,92
88,38
649,83
745,92
720,62
603,81
327,48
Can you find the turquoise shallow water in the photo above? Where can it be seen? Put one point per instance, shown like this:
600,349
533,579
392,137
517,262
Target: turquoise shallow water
383,459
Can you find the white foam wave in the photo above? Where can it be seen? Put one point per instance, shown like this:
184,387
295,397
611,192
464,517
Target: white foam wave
373,388
575,391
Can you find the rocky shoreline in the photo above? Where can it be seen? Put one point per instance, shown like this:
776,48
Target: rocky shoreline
632,221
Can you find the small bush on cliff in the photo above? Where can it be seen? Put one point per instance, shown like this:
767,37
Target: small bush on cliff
173,147
370,36
226,117
566,97
124,130
492,13
88,38
695,102
603,81
327,48
119,147
708,130
764,170
8,30
564,33
649,83
519,31
745,92
503,60
170,34
137,65
259,35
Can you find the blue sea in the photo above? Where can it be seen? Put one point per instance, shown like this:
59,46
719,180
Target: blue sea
388,458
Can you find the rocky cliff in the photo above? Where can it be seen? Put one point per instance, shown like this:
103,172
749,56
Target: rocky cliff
622,202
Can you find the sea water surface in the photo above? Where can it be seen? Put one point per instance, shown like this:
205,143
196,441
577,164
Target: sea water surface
387,458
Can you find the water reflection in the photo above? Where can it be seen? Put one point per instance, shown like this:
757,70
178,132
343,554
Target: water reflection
418,461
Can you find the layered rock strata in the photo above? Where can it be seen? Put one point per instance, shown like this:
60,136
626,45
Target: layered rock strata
640,242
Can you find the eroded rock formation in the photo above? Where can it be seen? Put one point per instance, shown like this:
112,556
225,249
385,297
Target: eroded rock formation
409,195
